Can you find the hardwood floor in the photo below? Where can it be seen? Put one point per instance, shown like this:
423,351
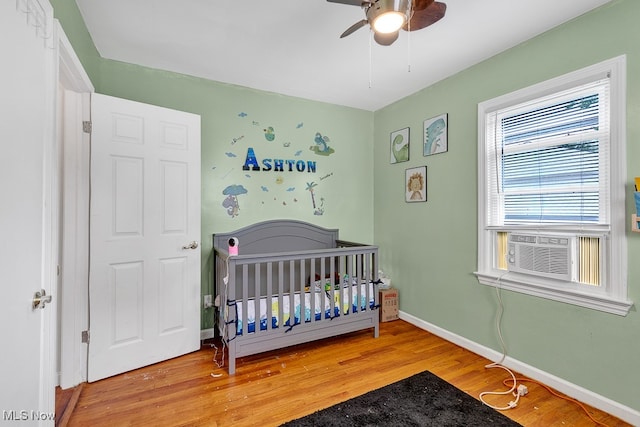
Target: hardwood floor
271,388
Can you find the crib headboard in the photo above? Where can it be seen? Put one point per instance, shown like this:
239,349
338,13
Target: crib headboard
281,235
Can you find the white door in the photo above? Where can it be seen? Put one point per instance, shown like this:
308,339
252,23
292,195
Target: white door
26,110
144,273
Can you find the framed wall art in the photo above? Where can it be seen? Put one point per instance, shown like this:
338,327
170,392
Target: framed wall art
399,146
415,184
435,135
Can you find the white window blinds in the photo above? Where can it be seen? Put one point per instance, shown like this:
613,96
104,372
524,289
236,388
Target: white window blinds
548,159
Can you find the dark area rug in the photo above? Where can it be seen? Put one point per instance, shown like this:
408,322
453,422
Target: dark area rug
420,400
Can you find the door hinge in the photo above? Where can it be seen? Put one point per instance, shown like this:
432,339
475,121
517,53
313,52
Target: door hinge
86,126
85,337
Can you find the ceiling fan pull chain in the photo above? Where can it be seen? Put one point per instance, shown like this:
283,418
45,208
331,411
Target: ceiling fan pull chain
370,60
409,47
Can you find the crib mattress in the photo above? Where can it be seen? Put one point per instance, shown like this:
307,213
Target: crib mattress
318,311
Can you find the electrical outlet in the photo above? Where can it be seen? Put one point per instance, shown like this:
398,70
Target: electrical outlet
207,301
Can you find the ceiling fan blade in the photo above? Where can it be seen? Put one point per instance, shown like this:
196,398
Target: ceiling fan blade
349,2
354,27
419,4
385,39
423,18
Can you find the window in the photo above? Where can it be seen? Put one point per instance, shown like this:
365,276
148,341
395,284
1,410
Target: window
551,189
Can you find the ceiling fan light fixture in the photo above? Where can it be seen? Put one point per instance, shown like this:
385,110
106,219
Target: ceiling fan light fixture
388,16
389,22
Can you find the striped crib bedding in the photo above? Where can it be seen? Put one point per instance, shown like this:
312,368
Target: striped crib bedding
331,301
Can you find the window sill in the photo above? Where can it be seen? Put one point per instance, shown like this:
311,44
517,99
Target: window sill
537,287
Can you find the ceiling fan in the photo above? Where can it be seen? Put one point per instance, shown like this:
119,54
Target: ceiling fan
387,17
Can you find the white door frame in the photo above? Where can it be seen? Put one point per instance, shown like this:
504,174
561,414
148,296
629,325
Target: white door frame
51,237
74,234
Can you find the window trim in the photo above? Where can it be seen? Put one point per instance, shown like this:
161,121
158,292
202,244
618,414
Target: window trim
612,298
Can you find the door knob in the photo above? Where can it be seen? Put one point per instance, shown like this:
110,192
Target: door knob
192,245
40,298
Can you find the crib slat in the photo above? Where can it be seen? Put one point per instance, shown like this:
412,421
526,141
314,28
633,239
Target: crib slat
359,276
292,294
269,295
368,279
280,294
256,295
359,259
372,268
354,284
301,282
231,315
312,290
349,259
332,272
245,298
323,298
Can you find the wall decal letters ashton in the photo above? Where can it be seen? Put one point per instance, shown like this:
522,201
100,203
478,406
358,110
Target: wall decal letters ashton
277,165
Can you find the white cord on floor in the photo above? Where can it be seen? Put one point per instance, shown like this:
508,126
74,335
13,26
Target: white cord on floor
512,391
215,355
512,403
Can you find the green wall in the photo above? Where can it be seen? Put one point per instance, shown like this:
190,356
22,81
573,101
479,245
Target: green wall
429,249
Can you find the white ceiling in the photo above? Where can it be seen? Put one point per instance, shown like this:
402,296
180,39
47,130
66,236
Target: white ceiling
292,47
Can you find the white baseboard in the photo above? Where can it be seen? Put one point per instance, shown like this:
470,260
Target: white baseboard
605,404
207,333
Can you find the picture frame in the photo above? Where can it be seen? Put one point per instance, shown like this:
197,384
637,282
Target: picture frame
435,133
399,144
415,184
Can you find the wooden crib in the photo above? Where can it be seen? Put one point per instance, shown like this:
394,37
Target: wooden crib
291,282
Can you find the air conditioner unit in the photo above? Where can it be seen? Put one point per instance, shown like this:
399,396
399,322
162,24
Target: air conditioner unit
547,256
